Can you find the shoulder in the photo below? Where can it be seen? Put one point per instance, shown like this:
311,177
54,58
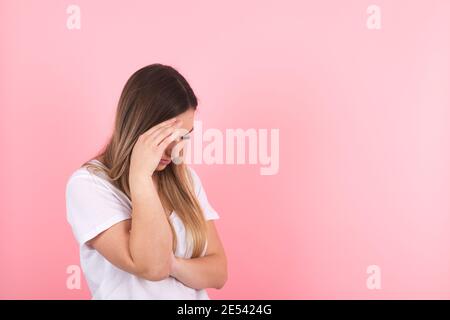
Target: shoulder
82,175
88,190
86,181
92,205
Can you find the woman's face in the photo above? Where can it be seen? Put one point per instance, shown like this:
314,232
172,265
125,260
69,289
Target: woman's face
187,125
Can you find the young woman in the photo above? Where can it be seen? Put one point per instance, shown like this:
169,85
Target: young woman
143,223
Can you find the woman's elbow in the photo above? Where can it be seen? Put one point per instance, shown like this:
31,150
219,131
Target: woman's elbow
220,284
155,273
222,279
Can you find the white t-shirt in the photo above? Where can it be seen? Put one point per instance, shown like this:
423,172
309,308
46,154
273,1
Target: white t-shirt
93,205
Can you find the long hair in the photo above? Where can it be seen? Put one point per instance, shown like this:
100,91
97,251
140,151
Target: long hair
153,94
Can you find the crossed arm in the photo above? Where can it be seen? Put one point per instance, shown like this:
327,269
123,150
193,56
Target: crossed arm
143,246
209,271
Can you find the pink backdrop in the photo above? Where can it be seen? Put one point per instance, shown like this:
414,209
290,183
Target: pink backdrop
364,121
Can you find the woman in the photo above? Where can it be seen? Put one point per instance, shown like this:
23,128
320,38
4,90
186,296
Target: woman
143,223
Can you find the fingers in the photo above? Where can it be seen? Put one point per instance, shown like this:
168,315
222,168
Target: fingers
166,129
167,140
159,125
173,131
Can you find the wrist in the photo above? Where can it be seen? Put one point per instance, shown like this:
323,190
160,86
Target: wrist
138,179
140,186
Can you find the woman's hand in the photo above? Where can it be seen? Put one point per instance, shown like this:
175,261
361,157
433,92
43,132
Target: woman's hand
150,146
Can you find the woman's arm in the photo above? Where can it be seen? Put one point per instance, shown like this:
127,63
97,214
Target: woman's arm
150,234
209,271
141,245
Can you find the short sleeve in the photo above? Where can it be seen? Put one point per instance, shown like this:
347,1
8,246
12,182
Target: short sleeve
92,207
209,212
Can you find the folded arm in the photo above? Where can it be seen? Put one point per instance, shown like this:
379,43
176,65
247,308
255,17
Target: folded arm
209,271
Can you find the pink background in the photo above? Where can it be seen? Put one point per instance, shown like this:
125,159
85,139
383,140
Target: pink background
364,136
